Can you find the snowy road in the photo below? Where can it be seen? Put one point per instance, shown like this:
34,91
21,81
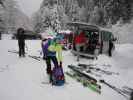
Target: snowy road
21,78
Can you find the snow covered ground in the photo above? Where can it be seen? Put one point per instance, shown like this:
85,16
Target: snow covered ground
21,78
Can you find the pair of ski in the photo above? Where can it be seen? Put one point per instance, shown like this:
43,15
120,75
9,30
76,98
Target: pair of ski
91,82
38,58
86,80
90,67
127,90
89,71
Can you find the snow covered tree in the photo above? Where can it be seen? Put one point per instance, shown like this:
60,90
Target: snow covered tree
48,16
2,21
83,14
63,18
54,13
12,17
11,7
97,16
118,8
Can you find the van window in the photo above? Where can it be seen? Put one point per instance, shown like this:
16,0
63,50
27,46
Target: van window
106,36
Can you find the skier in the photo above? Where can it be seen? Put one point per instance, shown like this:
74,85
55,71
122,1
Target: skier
21,41
80,41
52,51
51,48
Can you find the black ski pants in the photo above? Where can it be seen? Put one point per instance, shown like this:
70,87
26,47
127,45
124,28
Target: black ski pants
48,62
21,49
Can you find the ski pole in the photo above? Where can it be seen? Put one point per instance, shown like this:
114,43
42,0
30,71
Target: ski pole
114,88
34,57
26,47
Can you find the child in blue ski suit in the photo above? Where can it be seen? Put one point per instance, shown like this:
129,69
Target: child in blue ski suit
52,51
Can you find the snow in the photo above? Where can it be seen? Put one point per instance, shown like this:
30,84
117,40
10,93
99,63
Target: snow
21,78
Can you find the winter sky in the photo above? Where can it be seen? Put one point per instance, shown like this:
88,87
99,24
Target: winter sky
29,6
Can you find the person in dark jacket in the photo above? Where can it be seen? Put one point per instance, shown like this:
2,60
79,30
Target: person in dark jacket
21,42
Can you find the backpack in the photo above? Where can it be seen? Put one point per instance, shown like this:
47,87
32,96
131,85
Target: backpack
57,78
